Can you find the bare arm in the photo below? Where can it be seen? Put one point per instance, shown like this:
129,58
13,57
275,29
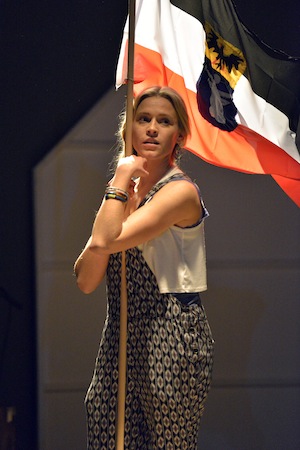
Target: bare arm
90,269
176,203
114,230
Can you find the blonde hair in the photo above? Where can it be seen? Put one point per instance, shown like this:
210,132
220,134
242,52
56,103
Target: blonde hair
178,104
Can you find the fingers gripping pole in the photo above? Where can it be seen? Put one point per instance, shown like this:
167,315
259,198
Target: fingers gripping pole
120,429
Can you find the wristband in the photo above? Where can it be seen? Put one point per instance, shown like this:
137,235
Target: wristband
112,192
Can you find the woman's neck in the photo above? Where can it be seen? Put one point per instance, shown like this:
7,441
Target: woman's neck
144,185
155,174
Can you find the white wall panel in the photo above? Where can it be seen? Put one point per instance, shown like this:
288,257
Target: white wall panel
66,425
251,418
253,298
253,314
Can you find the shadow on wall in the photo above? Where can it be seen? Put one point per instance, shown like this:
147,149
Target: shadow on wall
243,410
233,315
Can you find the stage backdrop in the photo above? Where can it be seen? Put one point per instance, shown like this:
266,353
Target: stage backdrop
253,248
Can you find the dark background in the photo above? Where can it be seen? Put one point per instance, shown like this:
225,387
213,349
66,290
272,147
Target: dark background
57,59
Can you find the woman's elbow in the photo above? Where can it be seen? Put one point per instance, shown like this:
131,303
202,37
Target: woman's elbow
86,282
85,286
90,270
99,247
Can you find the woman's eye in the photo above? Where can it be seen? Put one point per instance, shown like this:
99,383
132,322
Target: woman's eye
148,119
144,119
165,121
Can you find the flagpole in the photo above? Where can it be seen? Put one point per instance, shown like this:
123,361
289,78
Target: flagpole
120,430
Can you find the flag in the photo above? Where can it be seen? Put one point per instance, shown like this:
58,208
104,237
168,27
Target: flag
243,98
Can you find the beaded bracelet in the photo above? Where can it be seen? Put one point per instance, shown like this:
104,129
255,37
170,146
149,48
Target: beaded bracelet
112,192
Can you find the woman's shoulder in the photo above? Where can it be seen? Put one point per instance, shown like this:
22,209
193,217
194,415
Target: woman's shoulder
175,183
181,185
183,182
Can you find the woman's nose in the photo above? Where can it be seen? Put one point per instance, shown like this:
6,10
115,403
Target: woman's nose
152,127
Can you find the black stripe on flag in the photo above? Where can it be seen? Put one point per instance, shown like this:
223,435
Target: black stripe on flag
273,75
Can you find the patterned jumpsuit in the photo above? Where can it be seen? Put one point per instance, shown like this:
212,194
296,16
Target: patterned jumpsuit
169,364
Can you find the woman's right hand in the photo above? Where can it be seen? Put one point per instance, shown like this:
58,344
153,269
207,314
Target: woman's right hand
132,166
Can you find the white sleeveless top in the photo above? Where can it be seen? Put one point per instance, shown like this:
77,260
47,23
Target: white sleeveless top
177,257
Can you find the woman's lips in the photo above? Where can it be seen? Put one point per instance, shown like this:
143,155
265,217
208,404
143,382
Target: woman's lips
150,141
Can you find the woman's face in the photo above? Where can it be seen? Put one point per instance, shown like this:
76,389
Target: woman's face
155,129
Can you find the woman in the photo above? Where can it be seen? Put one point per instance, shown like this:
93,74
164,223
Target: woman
158,220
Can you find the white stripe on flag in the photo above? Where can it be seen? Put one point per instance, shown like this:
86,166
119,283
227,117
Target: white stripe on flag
180,40
178,37
260,116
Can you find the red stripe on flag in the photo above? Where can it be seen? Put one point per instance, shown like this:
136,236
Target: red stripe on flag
238,149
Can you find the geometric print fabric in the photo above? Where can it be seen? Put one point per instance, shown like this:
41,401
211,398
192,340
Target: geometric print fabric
169,365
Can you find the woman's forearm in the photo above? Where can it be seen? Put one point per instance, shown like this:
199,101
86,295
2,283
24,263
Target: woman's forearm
109,220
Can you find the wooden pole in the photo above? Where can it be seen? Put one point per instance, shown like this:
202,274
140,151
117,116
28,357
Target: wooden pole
130,75
120,431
